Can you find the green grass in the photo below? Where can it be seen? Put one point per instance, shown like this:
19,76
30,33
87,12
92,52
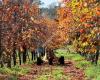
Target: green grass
56,75
92,72
14,70
82,64
59,75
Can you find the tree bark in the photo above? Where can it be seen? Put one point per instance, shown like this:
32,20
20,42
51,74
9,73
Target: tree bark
97,56
9,62
19,54
14,57
24,55
33,55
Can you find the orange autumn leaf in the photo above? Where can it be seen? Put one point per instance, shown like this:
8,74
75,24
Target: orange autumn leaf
98,11
82,30
5,2
88,25
26,7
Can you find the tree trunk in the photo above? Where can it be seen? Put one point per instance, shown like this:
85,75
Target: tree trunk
50,61
1,43
9,62
14,57
19,54
2,65
61,60
93,58
24,56
39,61
97,56
32,55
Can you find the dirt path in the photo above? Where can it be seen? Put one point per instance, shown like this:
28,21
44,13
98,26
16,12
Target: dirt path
69,70
73,72
37,71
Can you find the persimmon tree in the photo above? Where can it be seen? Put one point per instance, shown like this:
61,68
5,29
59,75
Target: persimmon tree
23,29
84,30
15,21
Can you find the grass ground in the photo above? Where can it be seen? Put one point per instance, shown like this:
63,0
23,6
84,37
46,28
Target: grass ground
57,74
92,72
12,73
